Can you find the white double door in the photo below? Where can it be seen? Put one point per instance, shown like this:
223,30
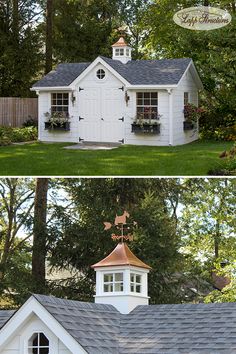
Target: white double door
101,111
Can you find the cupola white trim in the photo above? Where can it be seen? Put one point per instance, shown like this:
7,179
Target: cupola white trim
124,286
121,51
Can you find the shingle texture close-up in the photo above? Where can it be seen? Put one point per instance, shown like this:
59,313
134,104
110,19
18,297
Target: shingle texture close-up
4,316
136,72
159,329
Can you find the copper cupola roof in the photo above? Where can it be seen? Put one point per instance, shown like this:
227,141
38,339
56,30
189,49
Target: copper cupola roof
121,256
120,43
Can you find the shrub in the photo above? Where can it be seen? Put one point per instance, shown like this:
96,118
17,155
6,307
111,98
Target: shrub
30,122
10,135
221,133
228,164
24,134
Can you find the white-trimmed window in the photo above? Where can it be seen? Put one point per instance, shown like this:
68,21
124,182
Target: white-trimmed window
101,74
186,98
60,102
135,283
119,52
147,105
113,282
38,344
127,52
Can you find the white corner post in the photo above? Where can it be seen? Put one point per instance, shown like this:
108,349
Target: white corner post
170,93
39,130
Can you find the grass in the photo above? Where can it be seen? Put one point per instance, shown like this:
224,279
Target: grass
43,159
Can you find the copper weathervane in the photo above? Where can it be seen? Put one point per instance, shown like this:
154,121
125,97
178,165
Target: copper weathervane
123,226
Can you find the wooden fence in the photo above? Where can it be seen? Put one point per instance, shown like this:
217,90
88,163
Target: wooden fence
15,111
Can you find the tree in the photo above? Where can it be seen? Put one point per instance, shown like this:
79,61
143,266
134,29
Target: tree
49,36
131,14
86,35
19,46
81,241
39,250
213,53
208,222
16,205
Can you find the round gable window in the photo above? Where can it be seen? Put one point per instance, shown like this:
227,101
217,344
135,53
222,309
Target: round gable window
101,74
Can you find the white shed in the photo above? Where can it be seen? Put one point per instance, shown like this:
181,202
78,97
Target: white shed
118,100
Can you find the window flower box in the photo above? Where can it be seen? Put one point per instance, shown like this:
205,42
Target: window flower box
57,121
192,114
64,126
188,125
146,128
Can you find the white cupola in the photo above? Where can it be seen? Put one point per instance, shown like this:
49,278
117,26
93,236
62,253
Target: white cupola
121,51
121,280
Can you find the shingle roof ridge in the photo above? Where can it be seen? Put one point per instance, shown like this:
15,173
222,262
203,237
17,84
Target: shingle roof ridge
144,60
183,306
52,300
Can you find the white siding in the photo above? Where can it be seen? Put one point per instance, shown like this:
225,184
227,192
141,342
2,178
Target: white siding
13,347
18,345
62,349
186,84
145,138
44,102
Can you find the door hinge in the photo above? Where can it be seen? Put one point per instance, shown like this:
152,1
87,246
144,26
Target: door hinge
80,89
123,118
121,88
121,141
81,118
80,139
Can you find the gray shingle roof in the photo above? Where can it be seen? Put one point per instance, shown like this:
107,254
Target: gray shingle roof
151,72
136,72
154,329
94,326
159,329
63,75
175,329
4,316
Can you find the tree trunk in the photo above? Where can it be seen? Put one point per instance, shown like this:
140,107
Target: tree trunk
49,19
40,236
8,232
15,21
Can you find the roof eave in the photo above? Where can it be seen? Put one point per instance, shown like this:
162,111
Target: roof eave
51,88
121,266
153,87
196,76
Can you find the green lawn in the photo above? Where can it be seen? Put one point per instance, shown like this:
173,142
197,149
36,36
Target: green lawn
41,159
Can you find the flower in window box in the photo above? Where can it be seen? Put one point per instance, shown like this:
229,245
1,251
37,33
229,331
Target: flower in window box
57,120
191,115
142,119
